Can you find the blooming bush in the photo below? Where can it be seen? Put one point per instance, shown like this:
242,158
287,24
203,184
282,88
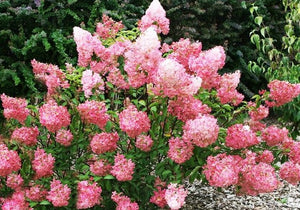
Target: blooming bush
134,120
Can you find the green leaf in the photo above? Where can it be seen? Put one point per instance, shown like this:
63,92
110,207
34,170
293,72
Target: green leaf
258,20
109,177
45,203
71,1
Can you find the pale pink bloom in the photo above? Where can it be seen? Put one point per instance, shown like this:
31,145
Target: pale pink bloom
173,80
144,143
240,136
257,113
91,80
175,196
26,135
9,161
266,157
123,169
54,117
88,195
227,92
94,112
180,150
16,202
282,92
260,178
43,163
51,75
104,142
222,170
294,153
64,137
14,108
155,16
290,172
158,198
108,27
14,181
100,167
187,108
202,131
36,193
134,122
183,50
59,194
206,65
273,135
123,202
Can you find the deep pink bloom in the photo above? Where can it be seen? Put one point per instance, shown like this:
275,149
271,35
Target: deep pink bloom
256,125
257,113
282,92
222,170
54,117
14,181
91,81
14,108
26,135
100,167
290,172
260,178
104,142
266,157
36,193
64,137
123,169
16,201
240,136
43,163
134,122
9,161
144,143
187,108
294,153
155,17
202,131
175,196
123,202
88,195
59,194
180,150
108,27
94,112
159,198
273,135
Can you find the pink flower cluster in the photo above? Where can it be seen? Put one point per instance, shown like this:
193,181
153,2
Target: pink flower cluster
108,27
59,194
14,181
123,202
175,196
104,142
227,90
282,92
180,150
273,135
9,161
187,108
158,198
201,131
222,170
257,113
51,75
16,201
26,135
64,137
123,169
54,117
240,136
290,172
14,108
155,17
91,80
36,193
43,163
144,143
94,112
134,122
88,195
266,157
100,167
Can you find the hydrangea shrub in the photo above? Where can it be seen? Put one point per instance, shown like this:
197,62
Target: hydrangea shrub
136,118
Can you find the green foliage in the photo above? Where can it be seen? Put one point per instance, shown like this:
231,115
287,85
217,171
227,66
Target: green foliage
279,56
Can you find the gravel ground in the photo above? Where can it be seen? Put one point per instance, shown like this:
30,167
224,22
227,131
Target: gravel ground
204,197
